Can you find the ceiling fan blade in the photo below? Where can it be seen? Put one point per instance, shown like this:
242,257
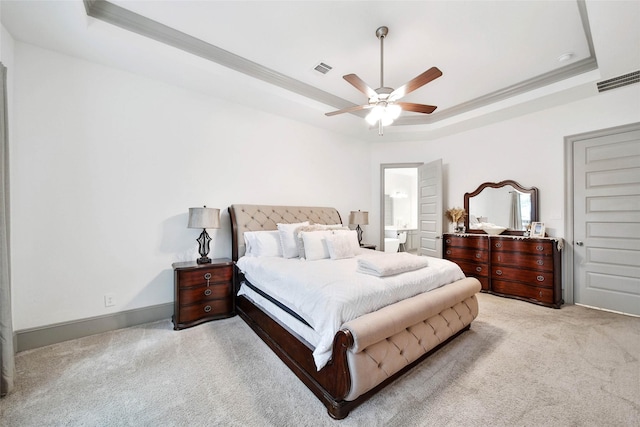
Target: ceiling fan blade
417,108
359,84
349,109
424,78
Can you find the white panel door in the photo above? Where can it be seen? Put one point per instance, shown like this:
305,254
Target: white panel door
430,209
607,221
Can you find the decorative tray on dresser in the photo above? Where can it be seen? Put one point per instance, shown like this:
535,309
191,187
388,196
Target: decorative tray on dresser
513,266
203,292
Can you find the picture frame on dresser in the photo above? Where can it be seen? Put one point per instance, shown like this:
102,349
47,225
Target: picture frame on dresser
537,229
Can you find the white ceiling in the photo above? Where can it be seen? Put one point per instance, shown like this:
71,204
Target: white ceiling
498,58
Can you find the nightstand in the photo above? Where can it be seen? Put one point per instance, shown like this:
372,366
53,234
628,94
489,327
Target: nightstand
203,292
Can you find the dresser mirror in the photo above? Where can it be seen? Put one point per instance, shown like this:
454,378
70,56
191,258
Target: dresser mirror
503,204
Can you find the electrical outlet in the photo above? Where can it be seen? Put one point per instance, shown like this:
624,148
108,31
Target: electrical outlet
109,300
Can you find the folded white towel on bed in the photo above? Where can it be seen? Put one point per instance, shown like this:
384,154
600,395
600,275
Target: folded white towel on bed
390,264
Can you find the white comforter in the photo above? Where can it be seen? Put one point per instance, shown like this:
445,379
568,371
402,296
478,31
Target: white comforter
327,293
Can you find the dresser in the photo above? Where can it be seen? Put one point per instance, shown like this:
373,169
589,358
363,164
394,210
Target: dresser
203,292
513,266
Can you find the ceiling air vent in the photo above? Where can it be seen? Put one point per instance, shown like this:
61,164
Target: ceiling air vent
619,81
323,68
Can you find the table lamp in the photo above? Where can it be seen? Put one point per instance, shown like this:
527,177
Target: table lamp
356,218
204,218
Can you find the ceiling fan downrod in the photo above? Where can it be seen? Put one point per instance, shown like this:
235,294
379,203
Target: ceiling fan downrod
381,33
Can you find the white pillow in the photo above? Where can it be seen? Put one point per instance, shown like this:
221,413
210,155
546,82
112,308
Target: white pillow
315,244
262,243
313,227
288,240
332,226
343,244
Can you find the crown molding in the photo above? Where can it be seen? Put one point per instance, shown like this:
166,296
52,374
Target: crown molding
131,21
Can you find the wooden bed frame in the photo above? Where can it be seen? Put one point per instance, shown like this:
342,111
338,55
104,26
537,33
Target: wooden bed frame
368,352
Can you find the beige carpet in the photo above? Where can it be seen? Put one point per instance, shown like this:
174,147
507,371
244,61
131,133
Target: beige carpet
519,365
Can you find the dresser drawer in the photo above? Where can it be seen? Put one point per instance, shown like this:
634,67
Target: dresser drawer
204,292
522,260
470,242
529,277
524,246
544,295
455,253
202,276
473,269
206,309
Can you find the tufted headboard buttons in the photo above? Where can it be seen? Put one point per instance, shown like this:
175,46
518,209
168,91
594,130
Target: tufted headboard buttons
266,217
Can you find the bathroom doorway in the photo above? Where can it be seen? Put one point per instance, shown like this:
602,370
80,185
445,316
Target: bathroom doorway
400,214
411,208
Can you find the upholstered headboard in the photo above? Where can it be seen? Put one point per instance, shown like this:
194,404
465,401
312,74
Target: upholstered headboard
266,217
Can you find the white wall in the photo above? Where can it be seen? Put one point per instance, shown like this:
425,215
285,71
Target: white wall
528,149
105,164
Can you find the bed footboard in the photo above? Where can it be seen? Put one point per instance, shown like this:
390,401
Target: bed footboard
390,339
373,350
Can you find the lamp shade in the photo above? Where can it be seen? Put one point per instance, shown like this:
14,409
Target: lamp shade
204,218
359,218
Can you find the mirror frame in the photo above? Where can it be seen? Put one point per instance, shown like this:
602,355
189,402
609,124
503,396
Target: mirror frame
533,191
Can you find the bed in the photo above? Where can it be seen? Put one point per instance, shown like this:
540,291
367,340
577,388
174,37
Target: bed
368,351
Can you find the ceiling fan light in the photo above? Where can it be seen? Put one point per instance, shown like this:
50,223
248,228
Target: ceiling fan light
394,111
375,114
386,120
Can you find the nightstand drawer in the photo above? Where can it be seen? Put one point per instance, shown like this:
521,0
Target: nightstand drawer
202,276
204,292
206,309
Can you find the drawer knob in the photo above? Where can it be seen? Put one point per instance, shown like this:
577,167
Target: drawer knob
207,308
448,252
478,269
448,240
540,248
540,278
499,272
207,276
478,255
540,262
207,292
498,245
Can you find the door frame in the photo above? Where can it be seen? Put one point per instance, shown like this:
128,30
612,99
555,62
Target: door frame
568,258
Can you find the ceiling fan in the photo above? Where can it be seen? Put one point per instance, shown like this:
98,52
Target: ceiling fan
383,102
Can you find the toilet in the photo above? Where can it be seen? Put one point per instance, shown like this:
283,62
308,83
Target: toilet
391,241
